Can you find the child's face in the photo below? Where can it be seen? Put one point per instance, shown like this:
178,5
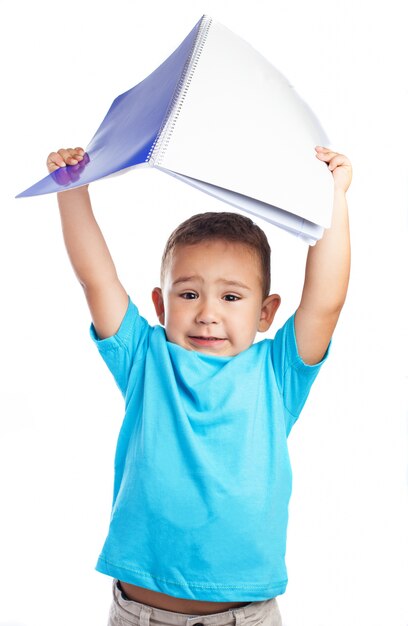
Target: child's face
211,300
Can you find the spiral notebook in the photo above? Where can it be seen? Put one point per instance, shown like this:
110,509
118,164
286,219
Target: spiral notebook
216,115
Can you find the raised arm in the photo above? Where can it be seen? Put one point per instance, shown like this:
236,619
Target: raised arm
88,252
327,269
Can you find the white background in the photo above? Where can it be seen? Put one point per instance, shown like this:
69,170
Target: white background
62,65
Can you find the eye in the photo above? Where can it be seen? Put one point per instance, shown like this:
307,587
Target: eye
189,295
230,297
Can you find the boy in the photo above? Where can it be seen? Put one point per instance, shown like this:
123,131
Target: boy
202,475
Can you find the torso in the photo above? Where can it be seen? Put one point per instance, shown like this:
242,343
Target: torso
177,605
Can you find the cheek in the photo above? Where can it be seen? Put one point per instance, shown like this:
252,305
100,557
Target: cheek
176,314
252,320
245,322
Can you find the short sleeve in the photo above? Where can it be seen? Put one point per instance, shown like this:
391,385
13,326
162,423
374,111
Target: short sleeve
294,377
128,345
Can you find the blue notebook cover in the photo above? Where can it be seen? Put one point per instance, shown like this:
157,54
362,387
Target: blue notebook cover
128,133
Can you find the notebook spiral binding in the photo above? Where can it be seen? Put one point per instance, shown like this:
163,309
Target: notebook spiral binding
164,135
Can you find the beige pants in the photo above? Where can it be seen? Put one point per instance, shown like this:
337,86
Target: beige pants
126,612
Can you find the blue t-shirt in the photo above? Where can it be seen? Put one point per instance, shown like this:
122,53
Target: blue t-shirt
202,472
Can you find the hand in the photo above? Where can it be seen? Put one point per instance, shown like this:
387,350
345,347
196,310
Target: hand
70,156
77,158
338,164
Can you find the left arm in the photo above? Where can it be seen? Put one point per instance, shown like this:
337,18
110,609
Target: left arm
327,270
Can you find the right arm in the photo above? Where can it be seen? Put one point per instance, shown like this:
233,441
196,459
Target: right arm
87,250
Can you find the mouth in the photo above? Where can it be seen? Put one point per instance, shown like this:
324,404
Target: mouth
206,341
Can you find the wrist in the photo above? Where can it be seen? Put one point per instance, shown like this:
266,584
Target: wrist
340,189
76,191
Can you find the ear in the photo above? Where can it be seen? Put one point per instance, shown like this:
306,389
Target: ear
269,307
157,298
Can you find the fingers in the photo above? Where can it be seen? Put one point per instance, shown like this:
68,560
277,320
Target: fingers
338,164
325,154
54,161
332,159
64,156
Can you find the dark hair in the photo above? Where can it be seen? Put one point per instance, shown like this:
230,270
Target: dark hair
225,226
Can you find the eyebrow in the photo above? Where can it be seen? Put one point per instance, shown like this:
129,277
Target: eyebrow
231,283
185,279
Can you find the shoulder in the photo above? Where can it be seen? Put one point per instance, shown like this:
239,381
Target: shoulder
131,334
285,350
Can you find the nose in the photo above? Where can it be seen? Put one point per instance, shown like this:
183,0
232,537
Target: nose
206,313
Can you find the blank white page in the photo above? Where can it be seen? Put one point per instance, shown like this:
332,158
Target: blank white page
241,126
298,226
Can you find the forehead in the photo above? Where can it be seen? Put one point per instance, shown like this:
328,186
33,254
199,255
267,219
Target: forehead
215,259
